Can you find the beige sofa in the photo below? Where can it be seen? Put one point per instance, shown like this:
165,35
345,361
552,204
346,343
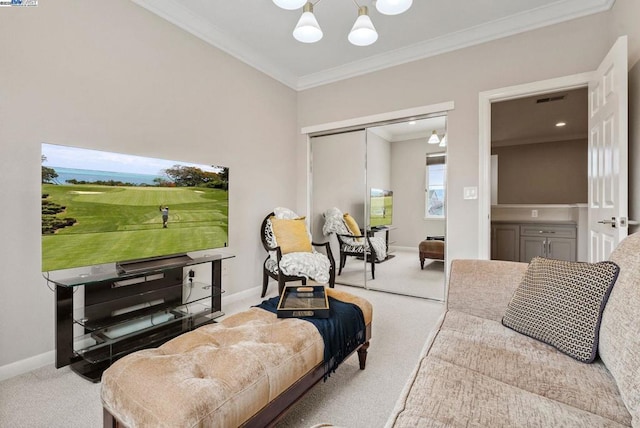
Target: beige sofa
476,372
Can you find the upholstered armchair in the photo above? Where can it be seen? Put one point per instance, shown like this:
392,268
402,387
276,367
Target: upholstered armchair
291,254
353,241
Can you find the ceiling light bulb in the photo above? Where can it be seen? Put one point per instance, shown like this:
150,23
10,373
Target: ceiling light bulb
561,124
434,138
392,7
413,122
363,32
307,30
290,4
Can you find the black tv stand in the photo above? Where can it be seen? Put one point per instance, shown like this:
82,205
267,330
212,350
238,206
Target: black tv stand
119,311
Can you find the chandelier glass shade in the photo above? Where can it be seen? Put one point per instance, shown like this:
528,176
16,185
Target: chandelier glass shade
363,33
434,139
307,30
290,4
393,7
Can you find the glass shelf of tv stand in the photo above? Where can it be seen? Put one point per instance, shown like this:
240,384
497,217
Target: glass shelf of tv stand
106,272
141,327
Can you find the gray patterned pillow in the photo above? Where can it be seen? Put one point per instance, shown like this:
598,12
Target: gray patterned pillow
561,303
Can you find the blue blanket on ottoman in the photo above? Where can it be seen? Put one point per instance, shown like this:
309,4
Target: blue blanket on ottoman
343,332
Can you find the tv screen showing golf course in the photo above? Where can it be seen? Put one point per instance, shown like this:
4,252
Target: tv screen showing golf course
380,207
102,207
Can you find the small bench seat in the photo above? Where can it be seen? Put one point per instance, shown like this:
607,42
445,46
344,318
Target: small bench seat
431,249
224,374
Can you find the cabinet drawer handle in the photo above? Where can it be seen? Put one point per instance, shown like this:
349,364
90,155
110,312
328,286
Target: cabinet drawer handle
546,231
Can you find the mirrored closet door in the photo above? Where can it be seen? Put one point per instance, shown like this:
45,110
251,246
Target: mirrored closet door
391,181
400,166
338,189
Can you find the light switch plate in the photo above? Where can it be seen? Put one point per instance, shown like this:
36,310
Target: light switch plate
470,193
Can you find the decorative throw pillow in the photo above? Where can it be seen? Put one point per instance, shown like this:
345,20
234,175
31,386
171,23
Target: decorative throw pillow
561,303
291,235
352,224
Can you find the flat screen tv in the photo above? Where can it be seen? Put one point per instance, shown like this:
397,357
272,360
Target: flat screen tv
381,207
101,207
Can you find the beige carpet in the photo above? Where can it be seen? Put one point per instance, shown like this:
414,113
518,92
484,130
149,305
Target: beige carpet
400,274
349,398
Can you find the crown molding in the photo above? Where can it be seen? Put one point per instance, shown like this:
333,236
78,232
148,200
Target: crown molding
182,17
560,11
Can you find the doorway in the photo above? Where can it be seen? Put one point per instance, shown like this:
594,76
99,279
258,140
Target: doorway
539,153
486,100
607,211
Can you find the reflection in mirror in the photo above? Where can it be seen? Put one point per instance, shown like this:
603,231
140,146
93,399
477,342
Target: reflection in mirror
338,200
408,160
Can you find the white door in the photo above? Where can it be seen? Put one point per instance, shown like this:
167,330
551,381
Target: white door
608,133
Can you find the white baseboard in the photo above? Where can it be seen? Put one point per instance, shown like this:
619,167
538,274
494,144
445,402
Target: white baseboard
244,294
400,248
26,365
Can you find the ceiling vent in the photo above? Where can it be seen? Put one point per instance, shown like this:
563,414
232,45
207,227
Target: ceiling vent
551,99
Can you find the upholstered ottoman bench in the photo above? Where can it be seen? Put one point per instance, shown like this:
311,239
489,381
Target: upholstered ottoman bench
431,249
246,370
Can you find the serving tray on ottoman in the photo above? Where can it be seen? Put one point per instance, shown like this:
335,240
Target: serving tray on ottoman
246,370
303,301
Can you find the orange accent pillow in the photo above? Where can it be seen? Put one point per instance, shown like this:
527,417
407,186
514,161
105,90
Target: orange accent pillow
291,235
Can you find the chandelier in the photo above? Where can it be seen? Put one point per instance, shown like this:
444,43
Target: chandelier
363,33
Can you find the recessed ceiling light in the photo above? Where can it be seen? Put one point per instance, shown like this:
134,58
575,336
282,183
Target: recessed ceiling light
561,124
413,122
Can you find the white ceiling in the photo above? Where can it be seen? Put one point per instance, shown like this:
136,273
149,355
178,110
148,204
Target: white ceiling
533,119
412,129
259,32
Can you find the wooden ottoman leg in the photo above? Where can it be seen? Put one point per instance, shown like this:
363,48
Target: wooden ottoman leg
362,355
108,421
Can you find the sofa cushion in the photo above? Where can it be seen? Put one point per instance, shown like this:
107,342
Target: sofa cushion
561,303
620,330
443,394
488,348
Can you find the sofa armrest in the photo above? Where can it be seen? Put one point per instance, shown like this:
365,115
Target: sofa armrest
483,287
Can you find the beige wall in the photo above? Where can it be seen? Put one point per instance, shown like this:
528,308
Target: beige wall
578,46
378,162
543,173
338,177
109,75
408,183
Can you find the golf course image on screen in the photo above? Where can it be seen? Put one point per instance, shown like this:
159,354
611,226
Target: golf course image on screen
380,207
101,207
